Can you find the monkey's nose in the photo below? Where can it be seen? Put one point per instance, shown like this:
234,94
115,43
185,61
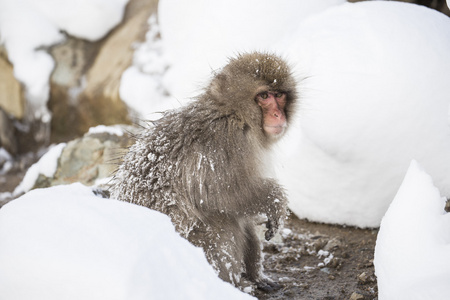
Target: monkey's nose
277,114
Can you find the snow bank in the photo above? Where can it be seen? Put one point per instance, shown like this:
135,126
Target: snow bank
412,254
198,36
46,166
375,96
27,26
65,243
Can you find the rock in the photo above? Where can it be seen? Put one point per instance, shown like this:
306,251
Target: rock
11,96
332,244
356,296
114,57
65,114
72,59
7,138
27,133
11,104
363,278
88,159
85,83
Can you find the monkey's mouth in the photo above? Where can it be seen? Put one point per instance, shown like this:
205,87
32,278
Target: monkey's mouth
274,130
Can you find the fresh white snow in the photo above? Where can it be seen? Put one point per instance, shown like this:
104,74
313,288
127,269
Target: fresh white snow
46,166
141,85
27,27
375,96
65,243
198,36
412,254
114,130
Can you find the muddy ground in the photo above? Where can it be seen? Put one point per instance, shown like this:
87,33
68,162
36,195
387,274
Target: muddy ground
319,261
310,261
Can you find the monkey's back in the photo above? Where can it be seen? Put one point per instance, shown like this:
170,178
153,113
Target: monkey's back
173,165
147,172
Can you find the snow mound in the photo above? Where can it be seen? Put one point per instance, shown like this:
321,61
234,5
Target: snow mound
28,26
375,95
65,243
412,254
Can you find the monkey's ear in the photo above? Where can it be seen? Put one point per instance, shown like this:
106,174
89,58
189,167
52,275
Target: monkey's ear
218,84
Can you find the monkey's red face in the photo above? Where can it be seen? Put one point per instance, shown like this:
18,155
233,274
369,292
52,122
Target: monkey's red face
273,108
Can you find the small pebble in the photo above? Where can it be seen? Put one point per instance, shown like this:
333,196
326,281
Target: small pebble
356,296
362,278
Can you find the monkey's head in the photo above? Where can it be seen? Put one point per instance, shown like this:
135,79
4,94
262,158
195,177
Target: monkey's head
259,89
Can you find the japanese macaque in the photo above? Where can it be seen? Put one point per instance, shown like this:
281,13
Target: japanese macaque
203,165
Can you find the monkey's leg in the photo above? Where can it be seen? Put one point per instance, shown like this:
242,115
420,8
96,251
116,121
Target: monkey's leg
252,253
223,247
253,260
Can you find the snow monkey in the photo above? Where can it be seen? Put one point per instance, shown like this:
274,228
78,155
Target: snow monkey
202,165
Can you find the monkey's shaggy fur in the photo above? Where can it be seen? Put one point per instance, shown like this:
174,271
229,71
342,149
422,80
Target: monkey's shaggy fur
202,166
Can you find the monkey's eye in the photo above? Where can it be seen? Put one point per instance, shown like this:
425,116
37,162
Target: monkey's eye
263,95
279,94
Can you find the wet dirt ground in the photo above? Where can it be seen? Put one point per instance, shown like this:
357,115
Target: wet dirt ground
319,261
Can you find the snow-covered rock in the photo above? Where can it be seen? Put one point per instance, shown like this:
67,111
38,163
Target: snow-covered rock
27,26
412,254
375,95
65,243
46,166
91,160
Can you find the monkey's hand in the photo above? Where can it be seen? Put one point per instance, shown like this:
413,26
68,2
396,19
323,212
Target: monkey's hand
276,210
272,228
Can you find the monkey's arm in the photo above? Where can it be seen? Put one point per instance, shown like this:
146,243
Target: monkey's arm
277,208
222,179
